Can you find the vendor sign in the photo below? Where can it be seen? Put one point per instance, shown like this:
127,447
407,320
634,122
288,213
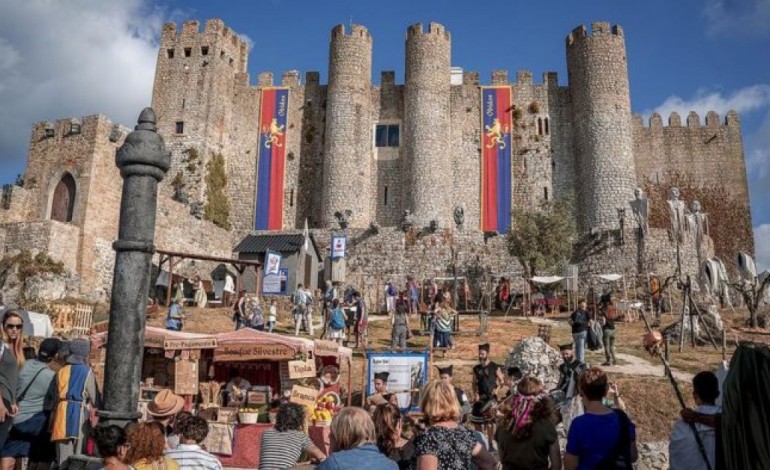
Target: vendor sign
325,348
201,343
408,373
250,351
339,246
304,396
301,369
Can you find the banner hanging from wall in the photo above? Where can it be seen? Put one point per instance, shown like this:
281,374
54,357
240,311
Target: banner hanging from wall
408,372
339,246
272,159
272,262
497,139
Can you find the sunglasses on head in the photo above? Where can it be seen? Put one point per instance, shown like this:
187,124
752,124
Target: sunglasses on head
14,326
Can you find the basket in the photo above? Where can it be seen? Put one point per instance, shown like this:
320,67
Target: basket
248,418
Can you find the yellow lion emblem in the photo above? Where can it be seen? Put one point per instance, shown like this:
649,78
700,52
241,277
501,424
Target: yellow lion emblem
495,133
274,132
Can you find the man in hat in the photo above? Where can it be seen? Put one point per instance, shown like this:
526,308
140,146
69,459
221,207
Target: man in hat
446,375
163,409
569,369
76,398
381,394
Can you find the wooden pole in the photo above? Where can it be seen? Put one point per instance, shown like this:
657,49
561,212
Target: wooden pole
170,280
350,382
364,373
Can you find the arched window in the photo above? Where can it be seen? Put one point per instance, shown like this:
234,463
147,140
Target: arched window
539,126
63,203
547,130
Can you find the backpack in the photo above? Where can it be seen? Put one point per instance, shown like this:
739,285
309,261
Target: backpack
620,457
338,320
299,298
392,291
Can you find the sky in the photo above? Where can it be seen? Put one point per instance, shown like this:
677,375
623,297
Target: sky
81,57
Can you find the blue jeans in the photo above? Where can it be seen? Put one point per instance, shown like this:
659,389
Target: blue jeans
580,345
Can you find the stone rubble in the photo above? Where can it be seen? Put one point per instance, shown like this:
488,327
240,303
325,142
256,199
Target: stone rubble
535,357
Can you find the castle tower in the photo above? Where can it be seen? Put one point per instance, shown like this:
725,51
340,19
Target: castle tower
602,127
196,78
348,140
427,124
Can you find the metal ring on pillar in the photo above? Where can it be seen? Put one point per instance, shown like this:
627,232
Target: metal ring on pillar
142,170
126,245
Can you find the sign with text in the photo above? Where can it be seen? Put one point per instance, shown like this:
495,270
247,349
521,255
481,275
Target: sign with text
276,284
249,351
152,341
301,369
186,377
408,373
339,246
200,343
325,348
303,396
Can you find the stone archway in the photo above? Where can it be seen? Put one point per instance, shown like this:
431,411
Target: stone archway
63,203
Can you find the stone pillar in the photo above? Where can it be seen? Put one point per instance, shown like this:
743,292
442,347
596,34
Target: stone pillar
143,162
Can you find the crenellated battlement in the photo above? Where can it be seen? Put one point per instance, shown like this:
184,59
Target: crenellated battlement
499,77
356,30
216,40
290,78
434,29
655,121
87,127
598,29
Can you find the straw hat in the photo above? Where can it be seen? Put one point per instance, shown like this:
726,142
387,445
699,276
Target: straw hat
165,403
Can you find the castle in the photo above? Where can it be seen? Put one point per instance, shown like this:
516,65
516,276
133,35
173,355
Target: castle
292,150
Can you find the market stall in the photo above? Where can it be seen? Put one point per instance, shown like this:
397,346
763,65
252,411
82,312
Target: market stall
259,369
172,359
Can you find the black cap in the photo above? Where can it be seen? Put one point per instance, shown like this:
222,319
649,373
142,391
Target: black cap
484,347
48,348
565,347
382,376
444,370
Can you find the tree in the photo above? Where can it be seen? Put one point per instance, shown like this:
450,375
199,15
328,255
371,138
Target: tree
753,293
542,238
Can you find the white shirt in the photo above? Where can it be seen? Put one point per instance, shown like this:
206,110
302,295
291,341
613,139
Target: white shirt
229,285
683,451
191,456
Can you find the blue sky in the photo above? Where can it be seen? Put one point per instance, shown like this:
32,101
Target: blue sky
83,57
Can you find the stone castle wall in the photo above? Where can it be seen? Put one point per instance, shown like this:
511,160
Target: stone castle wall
601,124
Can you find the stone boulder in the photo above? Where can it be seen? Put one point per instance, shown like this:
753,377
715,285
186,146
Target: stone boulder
535,357
45,287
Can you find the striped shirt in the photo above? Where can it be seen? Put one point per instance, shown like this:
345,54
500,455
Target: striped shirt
190,456
281,450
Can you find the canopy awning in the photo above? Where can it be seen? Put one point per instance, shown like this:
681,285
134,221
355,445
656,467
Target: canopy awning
546,279
166,339
610,277
252,343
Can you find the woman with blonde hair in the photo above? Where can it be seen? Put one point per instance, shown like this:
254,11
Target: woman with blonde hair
446,445
353,443
526,437
389,423
13,335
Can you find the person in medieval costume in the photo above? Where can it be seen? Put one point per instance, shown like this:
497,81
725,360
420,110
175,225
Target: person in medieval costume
639,206
697,227
381,394
569,369
488,377
76,401
229,289
200,293
446,375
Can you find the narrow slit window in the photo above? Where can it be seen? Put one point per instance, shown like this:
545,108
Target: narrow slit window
539,126
545,193
291,198
386,196
547,131
183,103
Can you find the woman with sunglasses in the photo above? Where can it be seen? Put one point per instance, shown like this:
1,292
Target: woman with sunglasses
11,359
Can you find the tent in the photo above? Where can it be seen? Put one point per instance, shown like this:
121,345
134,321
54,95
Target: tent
35,324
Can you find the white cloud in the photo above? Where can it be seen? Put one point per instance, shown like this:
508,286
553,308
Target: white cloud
245,38
61,59
762,246
744,100
738,17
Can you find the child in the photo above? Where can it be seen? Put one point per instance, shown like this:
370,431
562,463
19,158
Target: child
256,319
337,322
272,316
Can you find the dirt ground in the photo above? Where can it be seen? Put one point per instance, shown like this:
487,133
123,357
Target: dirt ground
650,399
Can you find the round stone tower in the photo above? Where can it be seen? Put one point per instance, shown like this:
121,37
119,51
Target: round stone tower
347,181
601,122
427,124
